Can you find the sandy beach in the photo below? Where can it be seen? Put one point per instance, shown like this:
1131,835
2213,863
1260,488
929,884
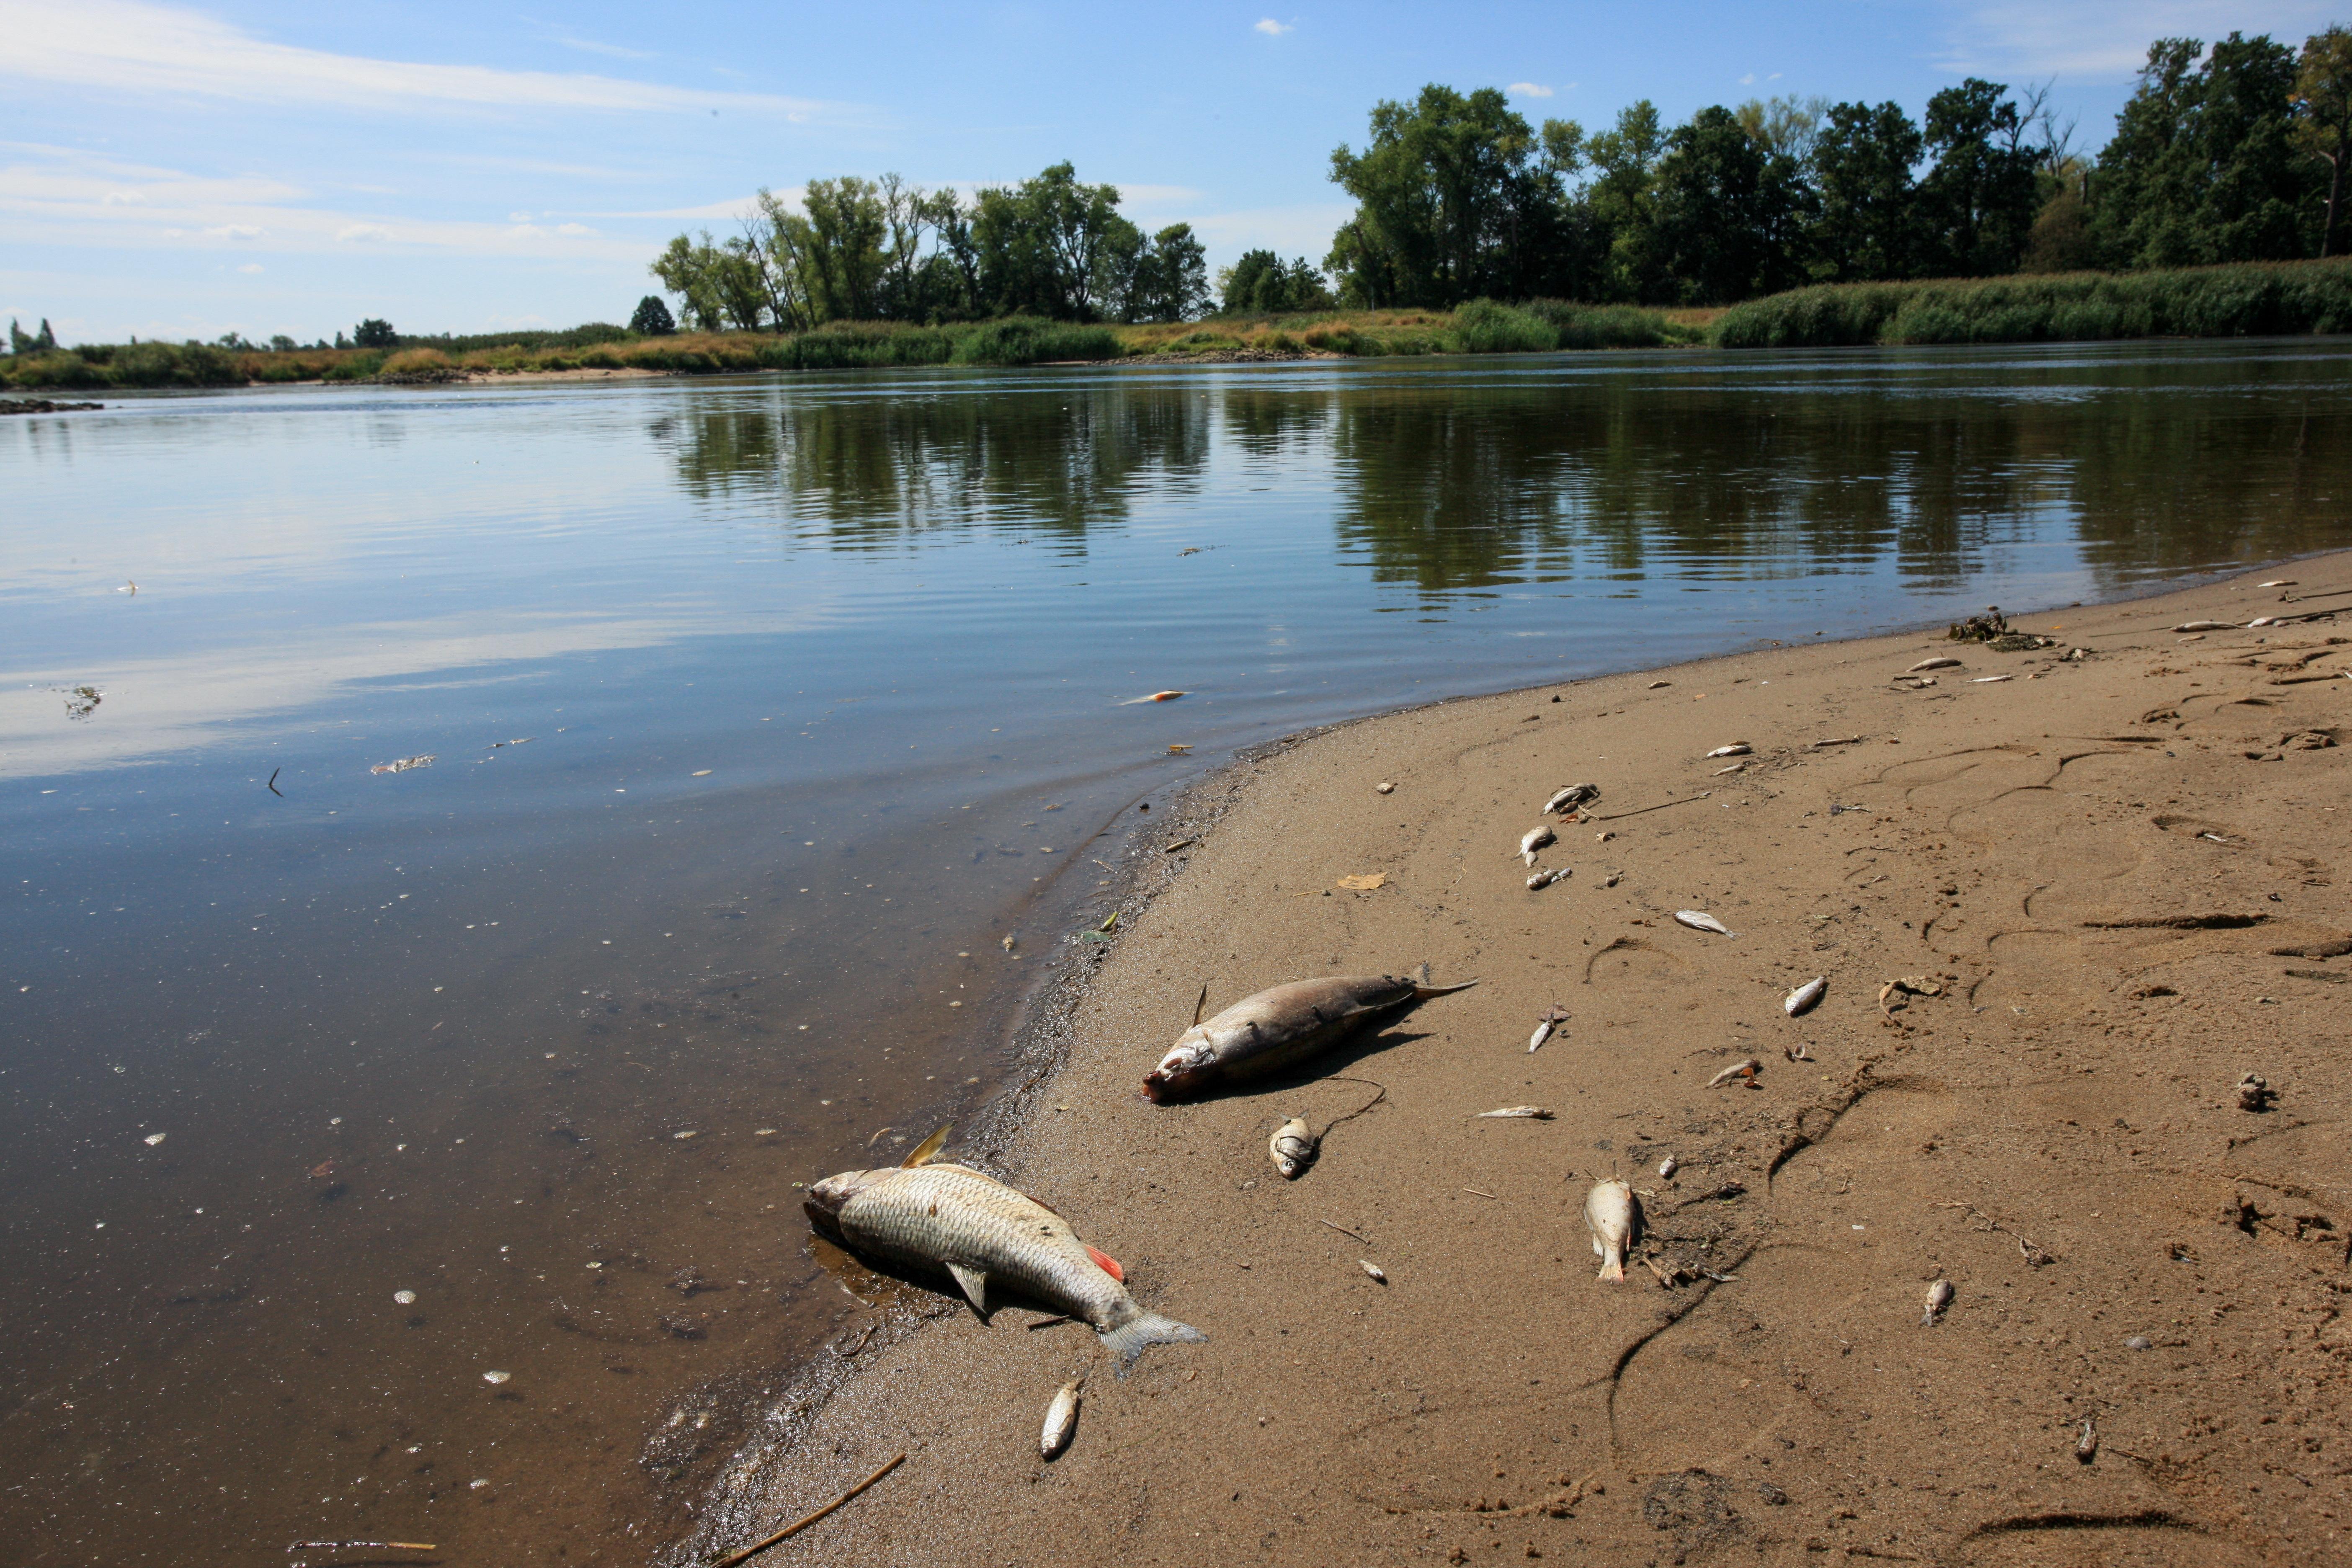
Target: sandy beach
2110,878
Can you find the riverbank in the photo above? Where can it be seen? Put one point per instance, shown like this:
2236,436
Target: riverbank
2086,864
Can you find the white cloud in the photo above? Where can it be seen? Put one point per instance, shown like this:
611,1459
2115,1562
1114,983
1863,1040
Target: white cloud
363,232
2071,38
251,266
233,231
1274,29
591,46
135,47
1747,81
1530,90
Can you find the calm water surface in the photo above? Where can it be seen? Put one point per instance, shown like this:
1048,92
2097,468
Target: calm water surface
760,710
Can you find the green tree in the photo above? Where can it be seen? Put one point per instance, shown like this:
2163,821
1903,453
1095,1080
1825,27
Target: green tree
1455,198
1169,281
1730,213
1865,225
652,318
45,340
1788,126
1052,246
1621,202
374,333
1978,203
1262,284
2323,128
2203,165
20,341
843,256
279,344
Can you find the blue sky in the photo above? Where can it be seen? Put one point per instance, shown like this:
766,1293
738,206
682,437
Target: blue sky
177,171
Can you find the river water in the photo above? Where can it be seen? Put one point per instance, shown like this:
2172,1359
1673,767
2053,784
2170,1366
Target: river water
761,712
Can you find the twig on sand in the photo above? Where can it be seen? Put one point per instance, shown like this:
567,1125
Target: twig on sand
800,1524
2034,1256
1343,1230
1662,806
1481,1193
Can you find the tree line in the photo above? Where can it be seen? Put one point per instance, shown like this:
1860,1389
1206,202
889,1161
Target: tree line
888,250
2233,154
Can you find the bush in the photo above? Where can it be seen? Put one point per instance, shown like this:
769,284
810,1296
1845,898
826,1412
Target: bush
1484,327
1025,339
1599,326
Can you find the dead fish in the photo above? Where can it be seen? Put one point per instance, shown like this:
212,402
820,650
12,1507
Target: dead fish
1277,1027
1154,697
951,1219
1571,797
2278,583
1940,661
1990,679
1553,1017
1524,1112
1740,1069
1534,839
2266,621
1940,1296
1542,879
1736,767
1667,1167
1613,1215
1061,1421
2086,1447
1371,1271
401,764
2207,627
1292,1148
1804,997
1699,919
1736,749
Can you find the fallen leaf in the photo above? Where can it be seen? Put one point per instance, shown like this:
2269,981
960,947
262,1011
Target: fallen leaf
1363,884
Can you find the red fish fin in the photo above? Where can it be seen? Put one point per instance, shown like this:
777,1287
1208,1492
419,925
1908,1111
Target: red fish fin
1107,1263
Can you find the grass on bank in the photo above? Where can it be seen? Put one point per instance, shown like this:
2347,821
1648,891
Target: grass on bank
2276,298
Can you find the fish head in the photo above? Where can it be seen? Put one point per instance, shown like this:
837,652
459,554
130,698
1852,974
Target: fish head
1184,1069
826,1198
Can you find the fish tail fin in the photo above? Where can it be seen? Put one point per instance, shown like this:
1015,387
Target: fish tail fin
1613,1272
1144,1329
1422,990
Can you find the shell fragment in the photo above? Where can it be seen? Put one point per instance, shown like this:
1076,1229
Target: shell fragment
1699,919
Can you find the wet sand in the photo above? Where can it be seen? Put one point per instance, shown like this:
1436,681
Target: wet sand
2094,862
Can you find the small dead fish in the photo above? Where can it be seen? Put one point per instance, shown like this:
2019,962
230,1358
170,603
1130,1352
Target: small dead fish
1292,1148
1061,1421
1524,1113
1940,1296
1571,797
1542,879
1734,768
1371,1271
1534,839
1613,1215
1941,661
1667,1167
1154,697
1278,1027
1748,1069
1736,749
2086,1447
1699,919
403,764
2207,627
2278,583
1990,679
1804,999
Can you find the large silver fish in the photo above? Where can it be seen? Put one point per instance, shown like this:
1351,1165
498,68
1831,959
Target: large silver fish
1277,1027
951,1219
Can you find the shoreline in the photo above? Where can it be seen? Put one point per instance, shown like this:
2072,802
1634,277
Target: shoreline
1243,1412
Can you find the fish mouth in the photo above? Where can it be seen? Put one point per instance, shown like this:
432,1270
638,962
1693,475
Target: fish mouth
824,1202
1161,1085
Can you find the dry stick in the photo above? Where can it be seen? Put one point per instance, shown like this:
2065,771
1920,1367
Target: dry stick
1343,1230
1662,806
363,1546
798,1525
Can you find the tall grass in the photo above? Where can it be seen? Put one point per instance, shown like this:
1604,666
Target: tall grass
2241,299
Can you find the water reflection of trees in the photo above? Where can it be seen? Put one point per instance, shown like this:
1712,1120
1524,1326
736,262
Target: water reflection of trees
1459,488
1451,482
873,470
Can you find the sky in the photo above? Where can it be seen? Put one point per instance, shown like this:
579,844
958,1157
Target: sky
183,171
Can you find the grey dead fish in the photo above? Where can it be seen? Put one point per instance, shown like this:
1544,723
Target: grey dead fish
2277,583
1061,1421
1534,839
1522,1112
2207,627
401,764
1990,679
1542,879
1292,1148
1699,919
1734,768
1278,1027
1736,749
1940,661
1805,997
1613,1215
1940,1296
1748,1069
2086,1447
954,1220
1371,1270
1568,799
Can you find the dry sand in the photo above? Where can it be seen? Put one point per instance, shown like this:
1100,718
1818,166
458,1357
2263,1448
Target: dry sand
2056,1133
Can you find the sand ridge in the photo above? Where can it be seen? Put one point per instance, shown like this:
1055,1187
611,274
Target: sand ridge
2089,867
